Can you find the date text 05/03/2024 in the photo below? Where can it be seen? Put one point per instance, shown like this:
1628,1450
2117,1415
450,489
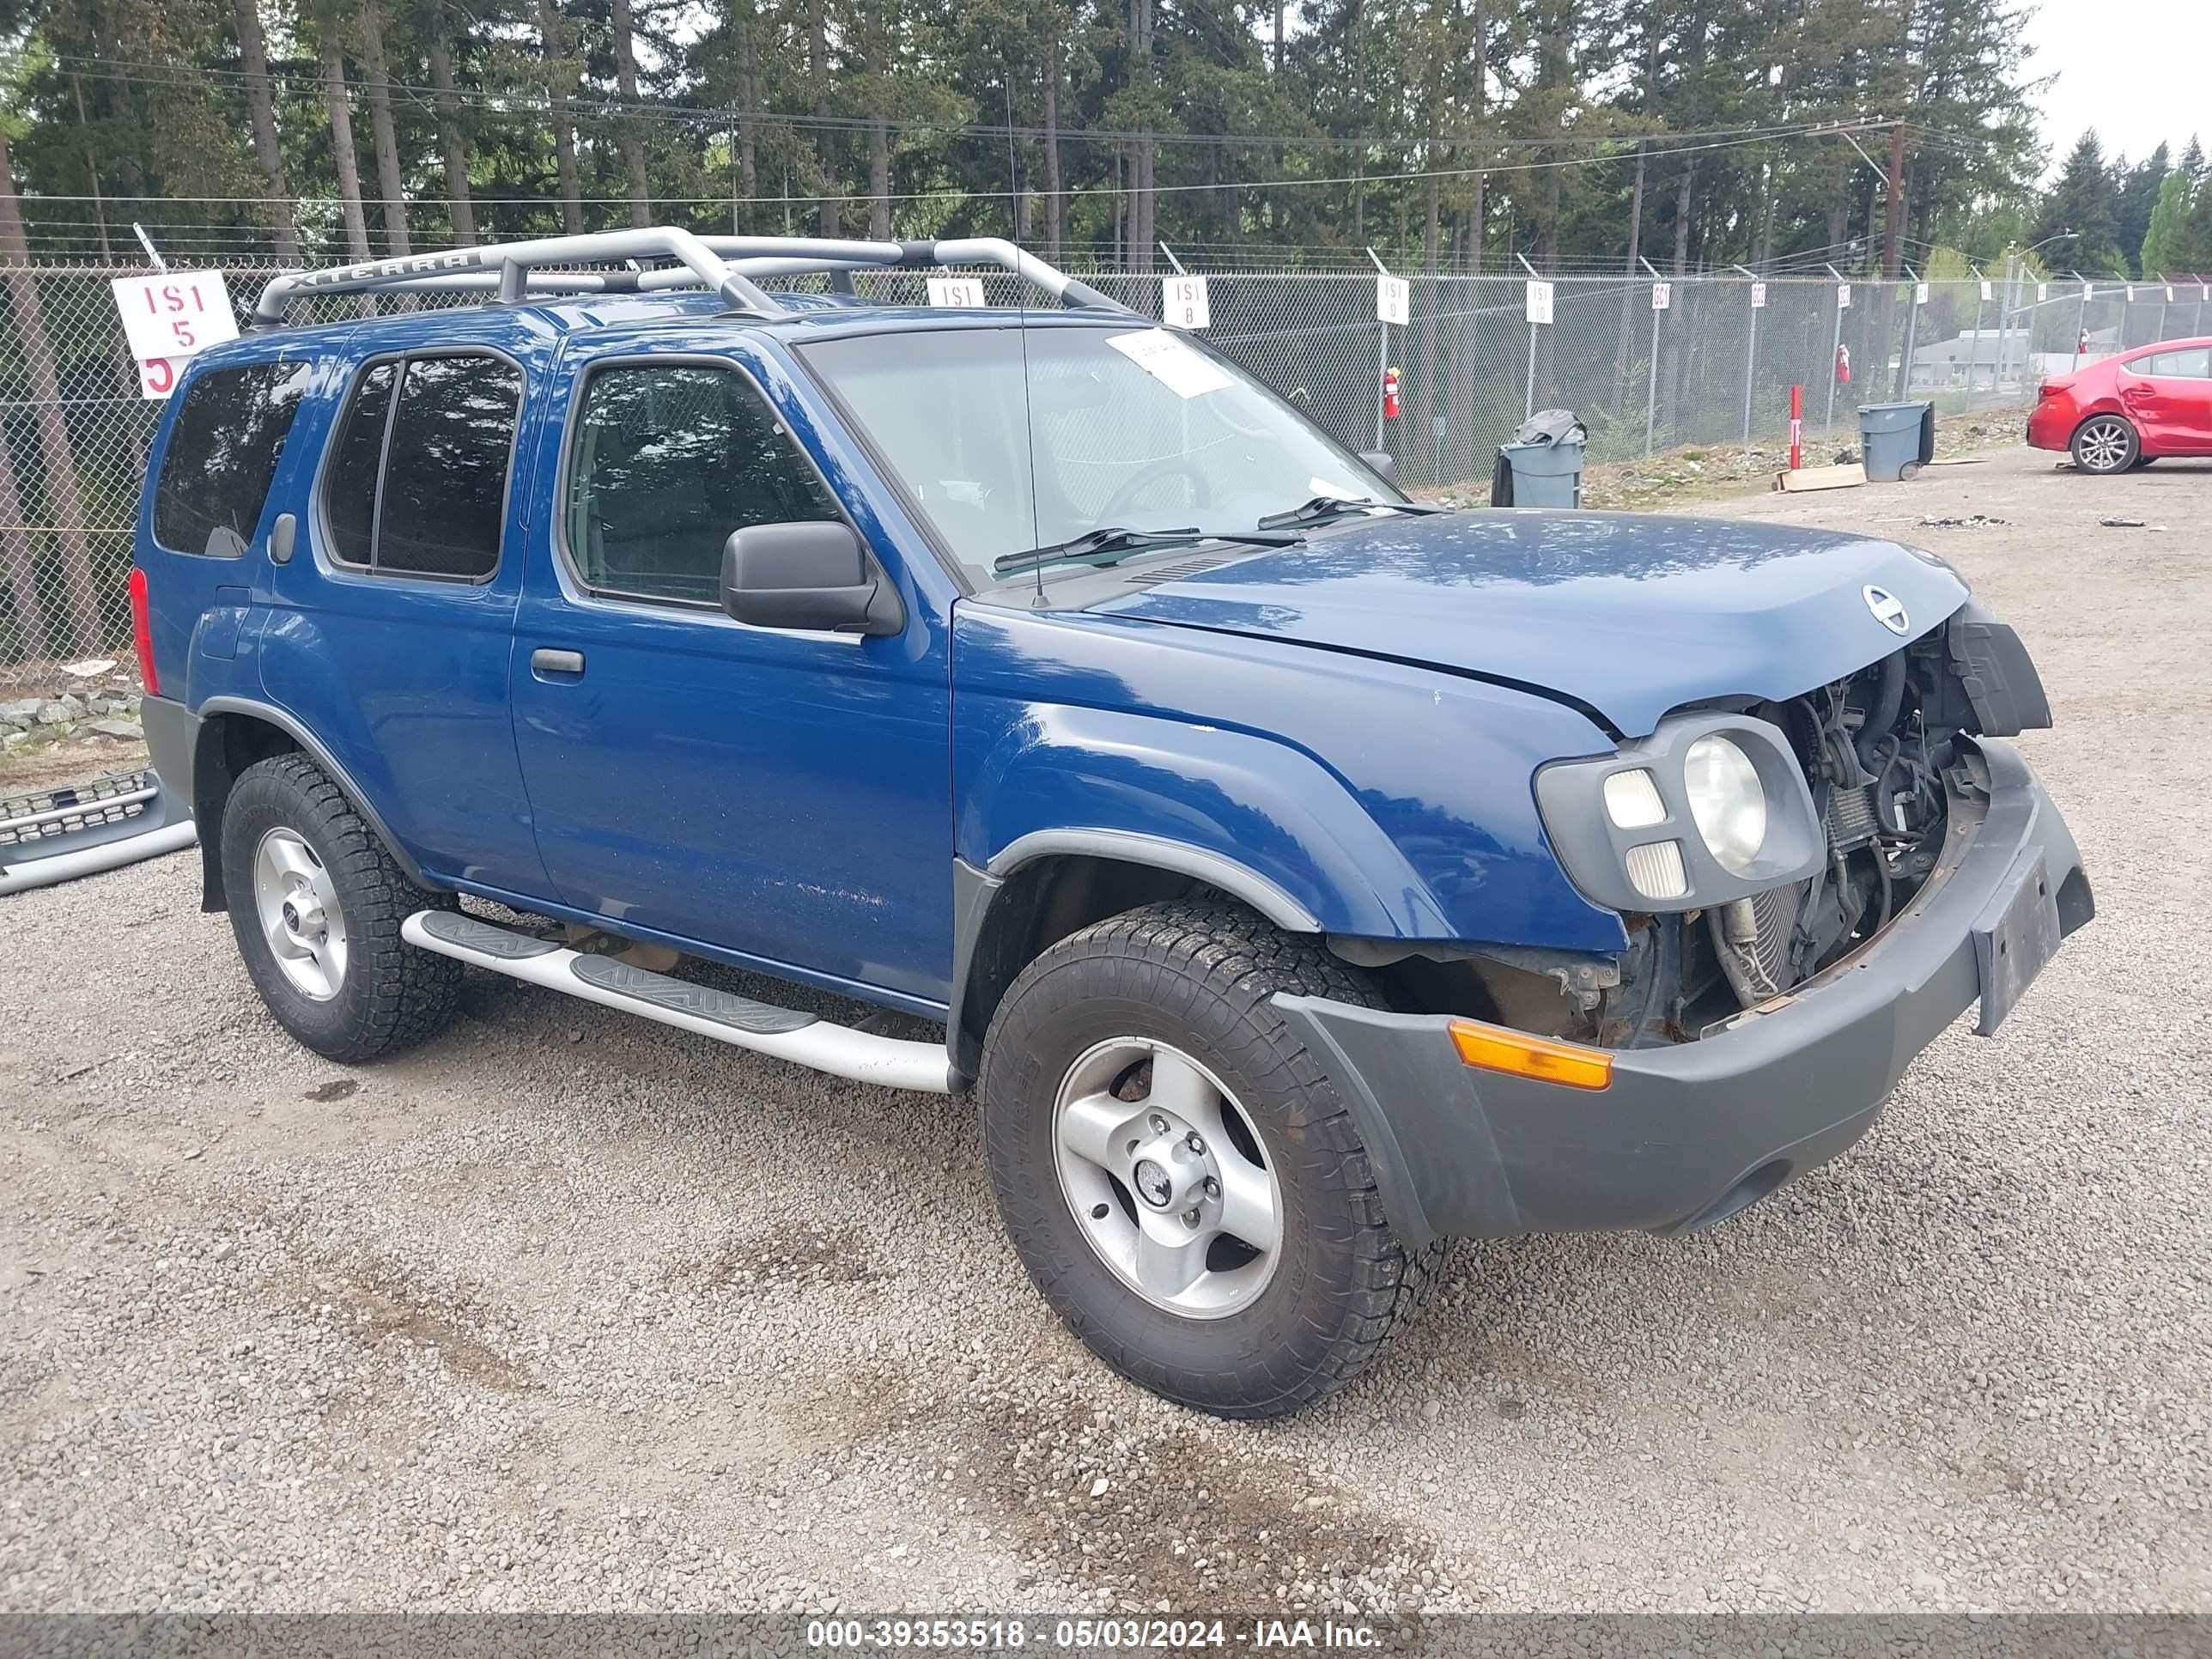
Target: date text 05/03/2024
1080,1635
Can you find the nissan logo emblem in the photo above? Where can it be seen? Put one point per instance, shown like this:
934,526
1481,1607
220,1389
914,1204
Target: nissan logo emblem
1889,610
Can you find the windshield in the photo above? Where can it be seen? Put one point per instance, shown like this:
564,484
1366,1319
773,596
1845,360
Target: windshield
1133,427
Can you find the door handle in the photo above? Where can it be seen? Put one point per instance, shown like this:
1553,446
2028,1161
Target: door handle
542,661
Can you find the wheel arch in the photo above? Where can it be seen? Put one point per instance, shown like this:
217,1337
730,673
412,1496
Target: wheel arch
1049,884
237,733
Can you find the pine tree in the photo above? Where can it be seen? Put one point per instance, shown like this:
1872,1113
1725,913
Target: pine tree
2161,240
2139,187
2192,249
2081,203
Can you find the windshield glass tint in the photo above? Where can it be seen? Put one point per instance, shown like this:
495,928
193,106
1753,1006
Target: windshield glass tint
1133,427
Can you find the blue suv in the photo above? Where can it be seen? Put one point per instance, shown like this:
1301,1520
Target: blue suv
1302,875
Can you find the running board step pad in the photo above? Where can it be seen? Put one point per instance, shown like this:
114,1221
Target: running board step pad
785,1033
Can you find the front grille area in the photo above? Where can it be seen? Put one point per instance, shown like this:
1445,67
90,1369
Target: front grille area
44,814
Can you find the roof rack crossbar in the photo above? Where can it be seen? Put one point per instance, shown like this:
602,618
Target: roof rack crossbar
723,265
510,265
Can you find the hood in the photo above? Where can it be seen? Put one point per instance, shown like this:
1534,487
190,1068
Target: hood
1627,613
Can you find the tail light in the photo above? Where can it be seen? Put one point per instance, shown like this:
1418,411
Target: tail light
2052,388
142,628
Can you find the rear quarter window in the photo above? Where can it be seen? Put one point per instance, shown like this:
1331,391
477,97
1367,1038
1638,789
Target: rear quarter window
224,450
2190,363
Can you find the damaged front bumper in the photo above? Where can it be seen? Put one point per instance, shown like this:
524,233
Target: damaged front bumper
1685,1136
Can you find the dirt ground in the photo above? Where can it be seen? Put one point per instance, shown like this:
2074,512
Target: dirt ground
570,1311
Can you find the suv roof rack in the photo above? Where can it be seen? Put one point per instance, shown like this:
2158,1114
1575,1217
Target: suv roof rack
723,265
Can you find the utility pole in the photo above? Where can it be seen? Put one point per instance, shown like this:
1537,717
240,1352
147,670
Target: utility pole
1893,210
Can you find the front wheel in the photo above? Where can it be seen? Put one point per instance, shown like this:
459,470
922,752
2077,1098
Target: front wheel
2106,443
1178,1172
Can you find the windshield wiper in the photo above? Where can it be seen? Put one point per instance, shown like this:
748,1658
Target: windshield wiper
1116,543
1322,508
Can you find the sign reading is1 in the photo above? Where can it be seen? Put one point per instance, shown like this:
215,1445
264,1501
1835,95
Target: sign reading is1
1183,303
173,314
1393,301
1663,295
965,293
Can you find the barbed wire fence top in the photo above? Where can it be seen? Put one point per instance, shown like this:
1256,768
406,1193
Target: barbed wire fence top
1710,368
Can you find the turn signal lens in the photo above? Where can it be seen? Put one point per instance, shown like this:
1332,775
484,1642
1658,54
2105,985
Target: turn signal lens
1493,1048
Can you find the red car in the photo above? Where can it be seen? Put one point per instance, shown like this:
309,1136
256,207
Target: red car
2150,401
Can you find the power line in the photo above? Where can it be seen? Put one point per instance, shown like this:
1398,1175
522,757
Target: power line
532,101
948,193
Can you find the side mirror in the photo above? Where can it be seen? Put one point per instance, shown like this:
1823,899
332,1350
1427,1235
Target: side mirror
811,575
1383,462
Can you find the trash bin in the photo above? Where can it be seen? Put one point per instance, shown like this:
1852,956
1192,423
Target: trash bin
1542,466
1896,440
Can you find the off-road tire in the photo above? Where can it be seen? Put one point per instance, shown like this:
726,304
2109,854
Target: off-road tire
2106,444
393,995
1201,975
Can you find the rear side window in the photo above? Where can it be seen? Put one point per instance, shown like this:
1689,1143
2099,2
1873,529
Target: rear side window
2194,363
229,434
668,460
417,477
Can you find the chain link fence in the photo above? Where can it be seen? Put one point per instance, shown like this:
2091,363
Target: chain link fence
1711,369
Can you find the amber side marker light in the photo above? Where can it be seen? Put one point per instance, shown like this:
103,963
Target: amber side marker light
1491,1048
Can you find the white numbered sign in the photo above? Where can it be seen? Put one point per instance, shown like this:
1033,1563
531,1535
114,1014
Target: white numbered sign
2042,293
1182,303
1988,291
174,313
1393,301
2131,293
1663,295
1920,294
158,376
1842,296
1759,296
2169,294
966,292
1539,302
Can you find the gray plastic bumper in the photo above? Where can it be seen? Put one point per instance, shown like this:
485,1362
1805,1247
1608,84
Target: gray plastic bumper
1685,1136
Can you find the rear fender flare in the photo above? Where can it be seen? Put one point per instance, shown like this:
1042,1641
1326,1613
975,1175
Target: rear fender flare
212,778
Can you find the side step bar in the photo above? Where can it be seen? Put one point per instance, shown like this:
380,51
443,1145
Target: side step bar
785,1033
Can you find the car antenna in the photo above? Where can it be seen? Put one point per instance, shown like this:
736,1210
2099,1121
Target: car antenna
1022,329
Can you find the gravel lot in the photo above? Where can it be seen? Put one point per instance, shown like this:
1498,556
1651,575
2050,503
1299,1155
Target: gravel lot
570,1311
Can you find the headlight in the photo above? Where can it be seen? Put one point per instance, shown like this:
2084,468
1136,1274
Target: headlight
1712,806
1727,801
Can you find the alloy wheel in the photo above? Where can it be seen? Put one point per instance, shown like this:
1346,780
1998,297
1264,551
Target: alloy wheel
298,909
2103,444
1167,1177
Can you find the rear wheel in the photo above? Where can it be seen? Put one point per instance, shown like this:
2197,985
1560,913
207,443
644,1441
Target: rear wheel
2106,443
316,904
1177,1169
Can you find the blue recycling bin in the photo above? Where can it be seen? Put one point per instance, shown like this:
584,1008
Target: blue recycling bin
1896,440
